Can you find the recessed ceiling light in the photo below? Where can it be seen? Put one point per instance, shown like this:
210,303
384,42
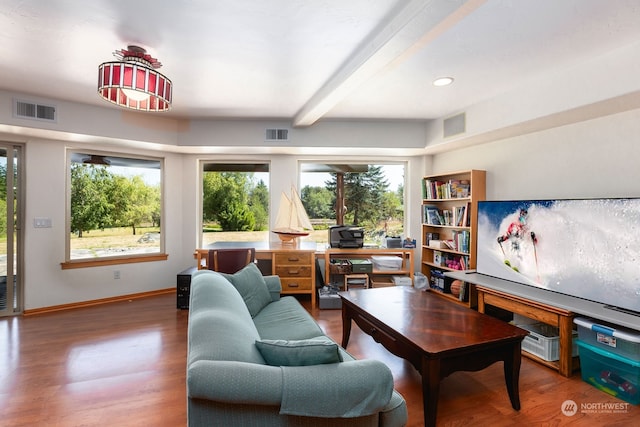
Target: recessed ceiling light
443,81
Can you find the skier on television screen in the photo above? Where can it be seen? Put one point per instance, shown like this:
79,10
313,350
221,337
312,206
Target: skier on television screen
517,231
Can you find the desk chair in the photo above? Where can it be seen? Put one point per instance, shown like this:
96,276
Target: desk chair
230,260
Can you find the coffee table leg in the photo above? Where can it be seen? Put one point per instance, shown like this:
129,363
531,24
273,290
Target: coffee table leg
512,375
430,390
346,325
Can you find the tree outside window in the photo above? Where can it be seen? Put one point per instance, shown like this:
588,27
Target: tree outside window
115,206
373,197
235,202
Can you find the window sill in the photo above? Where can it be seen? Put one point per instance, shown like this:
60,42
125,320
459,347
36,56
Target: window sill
93,262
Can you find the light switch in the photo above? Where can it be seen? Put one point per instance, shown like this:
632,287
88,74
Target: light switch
42,222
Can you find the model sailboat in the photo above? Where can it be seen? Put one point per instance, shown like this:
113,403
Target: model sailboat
292,220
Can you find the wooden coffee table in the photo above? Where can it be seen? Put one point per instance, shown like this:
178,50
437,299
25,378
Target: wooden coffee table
438,337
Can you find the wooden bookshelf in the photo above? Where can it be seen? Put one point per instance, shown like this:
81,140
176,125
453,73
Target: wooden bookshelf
449,229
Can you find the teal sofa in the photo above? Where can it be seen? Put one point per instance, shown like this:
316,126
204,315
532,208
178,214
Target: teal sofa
258,359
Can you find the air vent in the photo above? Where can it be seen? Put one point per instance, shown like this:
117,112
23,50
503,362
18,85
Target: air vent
454,125
30,110
277,135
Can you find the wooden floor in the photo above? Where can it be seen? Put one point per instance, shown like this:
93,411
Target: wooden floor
123,364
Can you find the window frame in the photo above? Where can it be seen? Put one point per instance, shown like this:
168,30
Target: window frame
160,255
202,163
355,164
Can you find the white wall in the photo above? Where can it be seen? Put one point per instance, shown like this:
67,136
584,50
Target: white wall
325,135
46,284
595,158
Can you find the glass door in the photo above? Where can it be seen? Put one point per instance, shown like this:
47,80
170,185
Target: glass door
10,230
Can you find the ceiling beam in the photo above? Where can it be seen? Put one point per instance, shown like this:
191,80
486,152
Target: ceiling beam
413,26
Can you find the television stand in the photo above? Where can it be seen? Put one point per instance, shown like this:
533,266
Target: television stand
560,318
547,306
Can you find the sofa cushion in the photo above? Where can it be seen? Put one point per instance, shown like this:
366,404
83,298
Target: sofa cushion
251,285
286,311
220,326
299,352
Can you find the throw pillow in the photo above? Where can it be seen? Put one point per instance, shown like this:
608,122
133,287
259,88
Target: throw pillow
299,352
252,287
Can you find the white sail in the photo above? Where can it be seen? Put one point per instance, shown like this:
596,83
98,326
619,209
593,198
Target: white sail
292,218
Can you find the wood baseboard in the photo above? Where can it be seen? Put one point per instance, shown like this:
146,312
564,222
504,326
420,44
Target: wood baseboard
101,301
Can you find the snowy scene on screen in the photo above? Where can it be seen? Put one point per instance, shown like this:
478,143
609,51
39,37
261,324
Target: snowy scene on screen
586,248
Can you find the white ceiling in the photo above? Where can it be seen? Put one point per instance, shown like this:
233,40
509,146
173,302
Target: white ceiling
309,60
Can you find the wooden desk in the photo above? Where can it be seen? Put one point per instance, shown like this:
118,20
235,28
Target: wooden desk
377,278
438,337
294,263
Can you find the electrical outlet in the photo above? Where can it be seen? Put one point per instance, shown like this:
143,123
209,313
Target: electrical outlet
116,274
41,222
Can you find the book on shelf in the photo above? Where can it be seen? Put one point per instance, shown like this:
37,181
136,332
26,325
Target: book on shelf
465,216
446,214
463,292
437,257
451,244
451,189
431,236
432,215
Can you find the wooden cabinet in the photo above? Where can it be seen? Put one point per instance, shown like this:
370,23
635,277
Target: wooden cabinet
449,229
377,277
296,270
294,263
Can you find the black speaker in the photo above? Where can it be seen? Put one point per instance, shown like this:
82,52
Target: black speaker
183,290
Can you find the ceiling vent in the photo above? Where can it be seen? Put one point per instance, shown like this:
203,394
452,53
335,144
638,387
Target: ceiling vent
454,125
277,135
33,111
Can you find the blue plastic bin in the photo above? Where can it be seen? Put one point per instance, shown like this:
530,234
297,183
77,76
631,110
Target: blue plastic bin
616,375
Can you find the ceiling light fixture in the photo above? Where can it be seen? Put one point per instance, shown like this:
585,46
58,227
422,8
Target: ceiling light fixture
133,82
443,81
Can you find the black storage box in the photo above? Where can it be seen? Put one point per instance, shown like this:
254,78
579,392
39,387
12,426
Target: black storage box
361,265
183,290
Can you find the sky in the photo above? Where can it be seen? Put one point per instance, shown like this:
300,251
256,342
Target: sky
393,173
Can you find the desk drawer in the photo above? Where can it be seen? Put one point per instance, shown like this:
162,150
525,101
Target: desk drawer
293,258
378,334
293,285
293,271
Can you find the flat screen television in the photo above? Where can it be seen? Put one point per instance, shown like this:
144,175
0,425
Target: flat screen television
587,248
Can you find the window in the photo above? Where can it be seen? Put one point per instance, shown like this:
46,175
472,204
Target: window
115,208
235,202
373,198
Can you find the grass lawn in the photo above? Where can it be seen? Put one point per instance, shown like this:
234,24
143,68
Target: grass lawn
113,238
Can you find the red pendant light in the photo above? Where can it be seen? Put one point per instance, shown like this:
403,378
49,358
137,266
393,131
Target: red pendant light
133,82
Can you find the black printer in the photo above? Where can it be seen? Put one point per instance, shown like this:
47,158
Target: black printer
346,236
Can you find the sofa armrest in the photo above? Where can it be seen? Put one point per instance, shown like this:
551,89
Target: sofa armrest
274,286
345,390
235,382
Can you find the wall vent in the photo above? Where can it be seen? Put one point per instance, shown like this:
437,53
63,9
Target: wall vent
31,110
277,135
454,125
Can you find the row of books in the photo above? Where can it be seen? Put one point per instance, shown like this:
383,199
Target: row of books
461,240
457,216
452,189
451,261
